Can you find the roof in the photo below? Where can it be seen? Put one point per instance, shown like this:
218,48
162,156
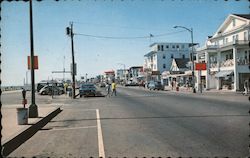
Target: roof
246,16
150,53
181,63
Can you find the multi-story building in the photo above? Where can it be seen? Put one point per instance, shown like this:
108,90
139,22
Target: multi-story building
161,55
135,72
227,54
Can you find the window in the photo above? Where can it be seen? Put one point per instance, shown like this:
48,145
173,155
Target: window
164,66
234,22
163,56
161,47
233,38
158,47
226,57
182,46
173,46
183,56
226,40
236,37
245,36
230,56
154,66
167,46
177,46
172,55
245,54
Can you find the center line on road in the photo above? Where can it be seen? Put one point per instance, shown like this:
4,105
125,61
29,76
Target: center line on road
100,138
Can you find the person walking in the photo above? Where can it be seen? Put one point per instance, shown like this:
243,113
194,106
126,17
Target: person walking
108,89
246,87
113,88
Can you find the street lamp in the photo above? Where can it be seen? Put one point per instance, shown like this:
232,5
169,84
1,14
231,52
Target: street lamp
33,111
192,53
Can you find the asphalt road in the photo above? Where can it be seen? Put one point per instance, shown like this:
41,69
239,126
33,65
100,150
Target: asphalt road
139,123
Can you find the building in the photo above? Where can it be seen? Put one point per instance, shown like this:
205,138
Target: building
109,76
135,72
161,55
122,75
227,55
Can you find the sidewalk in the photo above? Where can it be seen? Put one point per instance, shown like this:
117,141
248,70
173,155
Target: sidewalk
12,133
224,95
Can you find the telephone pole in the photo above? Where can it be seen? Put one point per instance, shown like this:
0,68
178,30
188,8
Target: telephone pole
69,31
33,111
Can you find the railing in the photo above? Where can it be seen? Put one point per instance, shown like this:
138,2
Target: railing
238,42
227,63
213,65
243,62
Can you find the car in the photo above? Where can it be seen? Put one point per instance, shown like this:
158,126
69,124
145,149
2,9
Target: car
48,89
155,85
87,89
102,84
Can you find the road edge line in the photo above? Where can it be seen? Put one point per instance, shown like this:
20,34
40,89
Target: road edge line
99,134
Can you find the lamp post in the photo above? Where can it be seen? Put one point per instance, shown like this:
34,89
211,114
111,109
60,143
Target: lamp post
192,54
33,111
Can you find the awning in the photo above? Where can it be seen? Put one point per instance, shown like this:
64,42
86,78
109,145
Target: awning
224,73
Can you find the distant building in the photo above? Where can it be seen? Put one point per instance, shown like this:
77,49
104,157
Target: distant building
227,55
135,72
109,76
161,55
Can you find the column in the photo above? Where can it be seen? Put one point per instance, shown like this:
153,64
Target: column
208,69
236,75
218,66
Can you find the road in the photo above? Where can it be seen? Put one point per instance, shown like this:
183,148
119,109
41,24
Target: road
142,123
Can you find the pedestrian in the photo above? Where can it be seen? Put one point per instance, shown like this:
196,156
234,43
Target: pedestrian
108,89
172,85
113,88
246,87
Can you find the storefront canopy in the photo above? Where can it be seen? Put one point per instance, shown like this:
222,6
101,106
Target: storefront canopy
224,73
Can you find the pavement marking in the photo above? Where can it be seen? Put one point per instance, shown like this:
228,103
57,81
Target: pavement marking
73,128
100,138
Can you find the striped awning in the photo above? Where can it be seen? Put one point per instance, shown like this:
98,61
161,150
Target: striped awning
224,73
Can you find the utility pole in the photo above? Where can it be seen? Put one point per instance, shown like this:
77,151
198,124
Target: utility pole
71,34
33,112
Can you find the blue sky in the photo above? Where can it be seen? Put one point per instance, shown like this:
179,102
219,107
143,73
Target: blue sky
128,18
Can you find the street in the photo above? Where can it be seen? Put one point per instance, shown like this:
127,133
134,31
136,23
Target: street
141,123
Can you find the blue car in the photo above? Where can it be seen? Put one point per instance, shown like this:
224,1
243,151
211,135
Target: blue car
155,85
87,89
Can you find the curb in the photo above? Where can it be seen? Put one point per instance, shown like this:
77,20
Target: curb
18,140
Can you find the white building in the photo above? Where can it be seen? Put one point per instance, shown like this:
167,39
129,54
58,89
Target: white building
161,55
227,54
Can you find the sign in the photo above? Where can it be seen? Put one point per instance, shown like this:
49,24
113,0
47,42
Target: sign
200,66
35,62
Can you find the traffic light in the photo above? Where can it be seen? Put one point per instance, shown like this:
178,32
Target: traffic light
67,30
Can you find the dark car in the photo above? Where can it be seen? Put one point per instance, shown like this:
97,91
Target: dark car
49,89
155,85
87,89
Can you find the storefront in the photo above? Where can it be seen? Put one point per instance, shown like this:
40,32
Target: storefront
225,79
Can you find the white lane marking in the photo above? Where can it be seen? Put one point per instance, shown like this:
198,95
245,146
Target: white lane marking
73,128
99,133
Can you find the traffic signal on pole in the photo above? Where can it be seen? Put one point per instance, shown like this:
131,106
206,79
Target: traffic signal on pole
67,30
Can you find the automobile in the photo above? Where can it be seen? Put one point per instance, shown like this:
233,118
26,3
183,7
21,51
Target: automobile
87,89
155,85
102,84
48,89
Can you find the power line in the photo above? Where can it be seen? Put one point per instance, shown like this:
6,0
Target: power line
138,37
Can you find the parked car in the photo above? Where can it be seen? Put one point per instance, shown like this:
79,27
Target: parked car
49,90
87,89
102,84
155,85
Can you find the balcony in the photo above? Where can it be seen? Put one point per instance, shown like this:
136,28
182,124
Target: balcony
227,63
213,65
243,62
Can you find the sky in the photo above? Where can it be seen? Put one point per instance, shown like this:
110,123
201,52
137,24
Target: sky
112,18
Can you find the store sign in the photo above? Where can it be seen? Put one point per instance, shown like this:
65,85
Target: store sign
200,66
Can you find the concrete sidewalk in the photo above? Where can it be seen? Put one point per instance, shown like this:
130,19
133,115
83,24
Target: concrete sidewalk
13,135
223,95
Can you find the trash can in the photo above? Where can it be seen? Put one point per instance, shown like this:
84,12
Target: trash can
22,116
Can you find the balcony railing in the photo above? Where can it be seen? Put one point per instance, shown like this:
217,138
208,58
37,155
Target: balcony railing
213,65
243,61
227,63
